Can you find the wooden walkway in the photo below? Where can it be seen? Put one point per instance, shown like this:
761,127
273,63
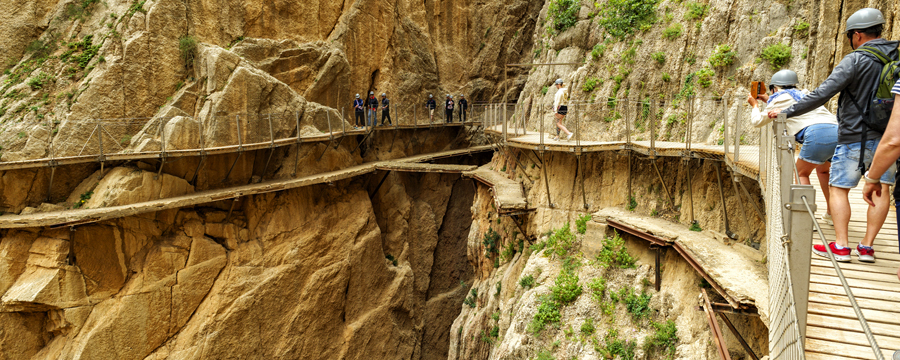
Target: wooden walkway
832,331
83,216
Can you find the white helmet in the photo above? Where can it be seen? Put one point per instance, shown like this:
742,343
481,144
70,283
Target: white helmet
461,96
357,96
559,81
383,94
430,96
371,93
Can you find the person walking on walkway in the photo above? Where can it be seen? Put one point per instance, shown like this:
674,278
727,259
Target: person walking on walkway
448,109
359,109
386,110
886,156
560,100
855,78
816,130
372,105
430,105
463,108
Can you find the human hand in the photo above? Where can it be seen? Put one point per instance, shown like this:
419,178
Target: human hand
763,97
773,113
752,101
868,190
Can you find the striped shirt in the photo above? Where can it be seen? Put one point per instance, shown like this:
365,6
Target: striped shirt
896,89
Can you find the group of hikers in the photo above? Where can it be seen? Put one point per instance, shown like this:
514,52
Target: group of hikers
865,134
365,110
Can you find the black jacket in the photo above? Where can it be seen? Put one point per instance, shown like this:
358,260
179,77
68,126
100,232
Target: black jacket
463,104
430,104
857,74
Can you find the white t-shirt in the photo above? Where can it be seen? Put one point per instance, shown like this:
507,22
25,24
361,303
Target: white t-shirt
794,124
561,98
896,89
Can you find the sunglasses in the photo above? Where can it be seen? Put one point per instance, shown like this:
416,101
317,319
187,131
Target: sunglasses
771,88
850,34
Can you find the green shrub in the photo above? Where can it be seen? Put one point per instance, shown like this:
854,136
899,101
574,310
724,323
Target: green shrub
704,77
613,253
777,55
612,346
695,226
590,84
620,18
801,29
581,223
490,240
637,305
561,241
597,286
723,56
659,56
597,51
136,7
695,11
84,198
547,314
38,81
666,77
391,259
564,14
566,288
673,31
544,90
664,339
632,204
587,328
527,281
187,45
545,355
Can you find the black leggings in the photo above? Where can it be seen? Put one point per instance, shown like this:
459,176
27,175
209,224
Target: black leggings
360,118
386,115
449,114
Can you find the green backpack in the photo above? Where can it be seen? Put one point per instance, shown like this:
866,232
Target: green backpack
878,111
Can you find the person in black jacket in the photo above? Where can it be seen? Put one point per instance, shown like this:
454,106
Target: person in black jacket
372,105
463,108
430,105
448,109
386,110
358,108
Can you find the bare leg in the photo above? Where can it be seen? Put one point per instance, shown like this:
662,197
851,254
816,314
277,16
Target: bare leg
559,119
804,169
840,213
875,215
822,172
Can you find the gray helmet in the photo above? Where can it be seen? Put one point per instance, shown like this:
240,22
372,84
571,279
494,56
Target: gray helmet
448,95
430,96
371,93
357,96
462,96
383,94
784,77
558,82
864,19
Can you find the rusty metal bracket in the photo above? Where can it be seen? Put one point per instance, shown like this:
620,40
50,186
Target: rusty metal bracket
736,334
714,326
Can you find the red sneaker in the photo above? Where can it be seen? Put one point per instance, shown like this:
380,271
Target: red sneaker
865,255
839,255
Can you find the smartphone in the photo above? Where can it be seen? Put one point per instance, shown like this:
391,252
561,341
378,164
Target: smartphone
756,88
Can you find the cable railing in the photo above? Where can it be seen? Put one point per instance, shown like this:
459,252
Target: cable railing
645,126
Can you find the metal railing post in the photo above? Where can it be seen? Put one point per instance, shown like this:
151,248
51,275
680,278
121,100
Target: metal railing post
725,128
799,249
101,158
737,137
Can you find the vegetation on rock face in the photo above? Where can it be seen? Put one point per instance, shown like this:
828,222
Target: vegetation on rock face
621,18
704,77
673,31
664,339
659,56
696,11
801,29
777,55
563,14
614,254
188,47
581,223
527,281
590,83
723,56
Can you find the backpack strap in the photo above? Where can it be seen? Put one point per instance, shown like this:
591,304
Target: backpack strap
880,56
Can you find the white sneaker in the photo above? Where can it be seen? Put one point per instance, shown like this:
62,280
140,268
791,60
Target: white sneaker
827,219
570,136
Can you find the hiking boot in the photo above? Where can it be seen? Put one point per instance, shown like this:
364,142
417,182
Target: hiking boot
839,255
865,253
827,219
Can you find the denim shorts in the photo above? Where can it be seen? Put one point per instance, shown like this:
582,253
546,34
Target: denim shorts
819,141
845,165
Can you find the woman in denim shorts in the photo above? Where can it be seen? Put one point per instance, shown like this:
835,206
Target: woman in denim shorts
816,131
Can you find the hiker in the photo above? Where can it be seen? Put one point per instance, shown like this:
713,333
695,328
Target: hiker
816,130
360,112
448,112
886,156
430,105
855,78
372,104
463,108
560,100
386,110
